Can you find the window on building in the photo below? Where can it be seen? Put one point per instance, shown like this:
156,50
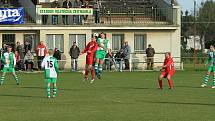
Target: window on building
139,43
117,41
55,41
80,40
32,40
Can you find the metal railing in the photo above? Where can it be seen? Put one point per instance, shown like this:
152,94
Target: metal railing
112,16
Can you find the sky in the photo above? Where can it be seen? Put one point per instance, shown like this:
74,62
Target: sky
188,4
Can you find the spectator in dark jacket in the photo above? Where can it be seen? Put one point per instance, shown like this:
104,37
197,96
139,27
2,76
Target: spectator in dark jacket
55,4
19,49
74,53
27,47
119,59
150,52
66,4
57,54
126,50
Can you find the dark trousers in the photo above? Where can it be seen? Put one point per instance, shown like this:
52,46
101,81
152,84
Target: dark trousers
150,63
45,19
18,65
39,61
65,19
127,67
97,18
29,63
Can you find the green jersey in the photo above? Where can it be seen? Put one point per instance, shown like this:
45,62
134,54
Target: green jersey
103,44
211,58
50,65
8,59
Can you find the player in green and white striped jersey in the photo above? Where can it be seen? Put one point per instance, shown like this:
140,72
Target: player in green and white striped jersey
9,61
50,66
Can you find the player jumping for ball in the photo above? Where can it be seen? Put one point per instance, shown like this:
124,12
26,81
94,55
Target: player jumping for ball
167,71
50,65
90,50
103,48
211,66
9,61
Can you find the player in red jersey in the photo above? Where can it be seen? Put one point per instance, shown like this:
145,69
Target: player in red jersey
167,70
90,50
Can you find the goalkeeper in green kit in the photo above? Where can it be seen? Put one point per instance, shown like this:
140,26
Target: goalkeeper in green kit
103,49
9,61
211,66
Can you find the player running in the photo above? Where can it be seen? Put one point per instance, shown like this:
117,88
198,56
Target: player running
90,50
50,65
211,66
167,70
103,48
9,61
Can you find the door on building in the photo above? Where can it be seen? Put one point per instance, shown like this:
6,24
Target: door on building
9,39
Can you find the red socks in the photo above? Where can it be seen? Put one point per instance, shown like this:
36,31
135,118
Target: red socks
93,73
160,84
86,72
170,84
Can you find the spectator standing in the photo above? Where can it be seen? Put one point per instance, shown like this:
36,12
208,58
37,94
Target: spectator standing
57,54
77,18
74,53
55,4
66,4
127,51
29,61
41,52
150,52
19,49
18,61
27,47
97,7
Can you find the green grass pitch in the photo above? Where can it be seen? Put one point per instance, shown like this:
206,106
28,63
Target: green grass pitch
117,97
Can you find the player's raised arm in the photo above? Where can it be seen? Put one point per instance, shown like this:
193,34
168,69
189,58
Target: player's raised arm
43,63
56,66
3,58
14,60
108,48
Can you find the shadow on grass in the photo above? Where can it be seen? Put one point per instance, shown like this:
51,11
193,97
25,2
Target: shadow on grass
33,87
177,103
26,96
183,86
133,88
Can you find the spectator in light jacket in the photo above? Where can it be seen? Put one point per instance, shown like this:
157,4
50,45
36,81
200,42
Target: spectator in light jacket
41,52
29,60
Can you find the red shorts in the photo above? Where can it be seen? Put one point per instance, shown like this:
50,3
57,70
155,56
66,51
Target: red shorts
89,60
165,73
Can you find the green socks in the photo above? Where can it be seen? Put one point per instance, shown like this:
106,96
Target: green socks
2,80
54,91
16,79
48,91
206,79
